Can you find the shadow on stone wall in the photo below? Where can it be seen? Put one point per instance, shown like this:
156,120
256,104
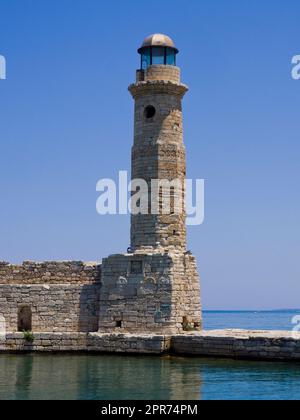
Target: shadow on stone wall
89,308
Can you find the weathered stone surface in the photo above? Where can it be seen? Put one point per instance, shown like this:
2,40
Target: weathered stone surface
159,301
259,345
265,345
162,291
153,290
158,153
67,272
62,297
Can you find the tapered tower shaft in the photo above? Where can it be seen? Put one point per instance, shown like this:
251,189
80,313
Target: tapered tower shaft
158,153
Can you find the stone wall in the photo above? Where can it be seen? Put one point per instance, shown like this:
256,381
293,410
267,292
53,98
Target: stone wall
186,303
234,344
261,345
69,272
58,297
100,343
136,293
55,308
153,293
157,293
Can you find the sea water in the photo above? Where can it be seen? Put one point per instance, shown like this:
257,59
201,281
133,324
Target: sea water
108,377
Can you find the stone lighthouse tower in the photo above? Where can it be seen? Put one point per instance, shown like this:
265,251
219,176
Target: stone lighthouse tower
155,287
158,151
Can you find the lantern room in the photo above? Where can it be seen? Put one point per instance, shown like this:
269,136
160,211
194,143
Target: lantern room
158,49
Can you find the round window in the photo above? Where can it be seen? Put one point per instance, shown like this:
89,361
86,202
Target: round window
150,111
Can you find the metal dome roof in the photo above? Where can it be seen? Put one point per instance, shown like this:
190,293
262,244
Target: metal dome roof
158,40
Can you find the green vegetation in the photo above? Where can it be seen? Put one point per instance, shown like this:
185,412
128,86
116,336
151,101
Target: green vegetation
28,336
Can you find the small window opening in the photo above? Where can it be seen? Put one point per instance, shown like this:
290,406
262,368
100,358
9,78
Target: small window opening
172,204
136,267
160,200
150,112
119,324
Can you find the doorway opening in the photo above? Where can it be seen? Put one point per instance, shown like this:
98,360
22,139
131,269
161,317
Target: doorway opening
24,319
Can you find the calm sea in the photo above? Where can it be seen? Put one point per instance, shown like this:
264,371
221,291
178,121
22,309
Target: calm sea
96,377
250,320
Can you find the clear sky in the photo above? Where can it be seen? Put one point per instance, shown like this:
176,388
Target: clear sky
66,120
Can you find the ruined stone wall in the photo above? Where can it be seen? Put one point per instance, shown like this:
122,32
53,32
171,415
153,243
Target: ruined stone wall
61,297
68,272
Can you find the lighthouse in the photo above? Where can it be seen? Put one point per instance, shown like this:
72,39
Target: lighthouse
154,288
158,152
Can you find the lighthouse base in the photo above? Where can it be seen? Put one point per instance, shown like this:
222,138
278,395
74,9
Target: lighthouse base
153,292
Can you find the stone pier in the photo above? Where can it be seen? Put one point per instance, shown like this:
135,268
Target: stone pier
233,344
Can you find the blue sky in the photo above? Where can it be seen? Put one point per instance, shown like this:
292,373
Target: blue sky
66,120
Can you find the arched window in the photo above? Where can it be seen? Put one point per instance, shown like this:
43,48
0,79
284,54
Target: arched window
24,319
